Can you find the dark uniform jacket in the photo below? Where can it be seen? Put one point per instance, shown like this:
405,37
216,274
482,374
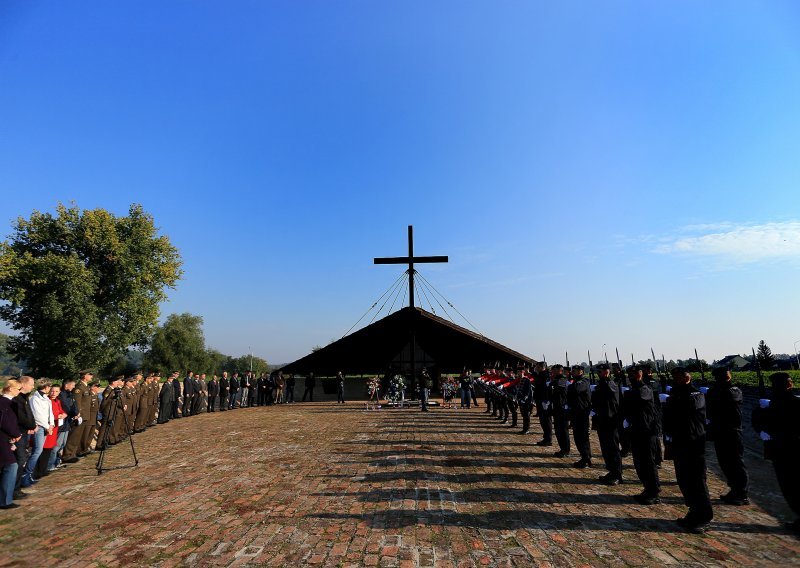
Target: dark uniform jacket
557,394
525,391
234,384
724,410
639,410
310,382
70,409
579,398
605,403
24,412
781,420
685,415
213,388
176,388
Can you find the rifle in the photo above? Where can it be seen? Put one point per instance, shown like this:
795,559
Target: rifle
699,364
619,361
662,373
566,353
591,369
633,363
761,389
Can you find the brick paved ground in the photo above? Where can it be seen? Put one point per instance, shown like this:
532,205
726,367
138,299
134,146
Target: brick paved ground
326,485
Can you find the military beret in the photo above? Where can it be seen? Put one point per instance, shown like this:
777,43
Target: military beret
602,366
678,371
83,372
557,366
577,368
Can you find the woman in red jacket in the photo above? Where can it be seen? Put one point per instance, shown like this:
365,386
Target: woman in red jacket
47,460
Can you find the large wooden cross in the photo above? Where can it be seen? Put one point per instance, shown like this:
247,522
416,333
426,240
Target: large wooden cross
410,260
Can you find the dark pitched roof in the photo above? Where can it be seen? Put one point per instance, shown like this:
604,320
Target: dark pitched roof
372,348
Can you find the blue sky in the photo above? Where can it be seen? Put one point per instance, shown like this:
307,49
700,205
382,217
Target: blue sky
619,173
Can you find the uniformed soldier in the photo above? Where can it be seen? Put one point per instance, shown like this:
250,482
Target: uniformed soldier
778,422
640,420
621,378
606,409
110,414
128,400
90,420
580,405
154,393
685,434
525,400
82,395
143,406
557,395
724,427
541,383
655,386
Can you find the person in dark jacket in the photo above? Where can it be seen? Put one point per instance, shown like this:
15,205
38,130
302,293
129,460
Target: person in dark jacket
541,383
233,384
557,395
310,383
188,395
724,428
224,390
166,397
640,421
213,393
778,422
176,398
9,436
685,433
606,409
525,401
26,424
580,405
656,387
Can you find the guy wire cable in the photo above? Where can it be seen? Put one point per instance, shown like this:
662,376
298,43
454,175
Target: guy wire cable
397,287
373,305
449,303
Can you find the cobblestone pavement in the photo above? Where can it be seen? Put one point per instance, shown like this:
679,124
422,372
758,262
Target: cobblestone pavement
326,485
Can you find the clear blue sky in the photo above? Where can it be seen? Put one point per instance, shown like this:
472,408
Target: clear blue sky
619,173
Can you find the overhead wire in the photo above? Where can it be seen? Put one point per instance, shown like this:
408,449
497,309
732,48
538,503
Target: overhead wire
397,287
398,294
375,304
449,303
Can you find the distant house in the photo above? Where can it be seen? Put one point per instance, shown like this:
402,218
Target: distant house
734,363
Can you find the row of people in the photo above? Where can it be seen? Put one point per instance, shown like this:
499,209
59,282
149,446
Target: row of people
639,418
45,426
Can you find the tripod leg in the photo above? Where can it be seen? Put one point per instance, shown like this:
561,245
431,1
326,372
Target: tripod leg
133,449
104,442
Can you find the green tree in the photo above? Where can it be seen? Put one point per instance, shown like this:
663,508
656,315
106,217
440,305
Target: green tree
178,345
8,363
82,286
764,356
217,362
242,364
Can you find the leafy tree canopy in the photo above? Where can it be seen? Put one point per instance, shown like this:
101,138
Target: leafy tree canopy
82,286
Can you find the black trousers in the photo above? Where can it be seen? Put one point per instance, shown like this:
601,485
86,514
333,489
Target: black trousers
580,433
211,401
561,428
223,401
262,396
786,461
546,421
525,410
187,405
690,472
644,462
609,446
175,407
730,454
512,406
290,394
310,392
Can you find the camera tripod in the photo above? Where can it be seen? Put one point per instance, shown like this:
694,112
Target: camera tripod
109,425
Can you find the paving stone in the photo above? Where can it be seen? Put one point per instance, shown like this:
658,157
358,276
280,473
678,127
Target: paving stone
321,485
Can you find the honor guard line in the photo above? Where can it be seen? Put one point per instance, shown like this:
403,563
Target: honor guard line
410,260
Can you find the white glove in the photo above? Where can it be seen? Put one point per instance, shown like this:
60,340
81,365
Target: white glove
566,407
626,389
669,388
704,390
626,424
592,387
545,405
763,403
591,413
662,398
668,438
708,421
764,436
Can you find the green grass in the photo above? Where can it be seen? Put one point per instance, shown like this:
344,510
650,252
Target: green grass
750,378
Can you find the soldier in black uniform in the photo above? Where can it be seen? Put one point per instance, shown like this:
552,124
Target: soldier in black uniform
655,386
557,395
623,385
580,405
541,383
606,408
640,420
779,425
724,428
685,434
511,400
525,400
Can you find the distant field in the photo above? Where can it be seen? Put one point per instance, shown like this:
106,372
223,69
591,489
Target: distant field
750,378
